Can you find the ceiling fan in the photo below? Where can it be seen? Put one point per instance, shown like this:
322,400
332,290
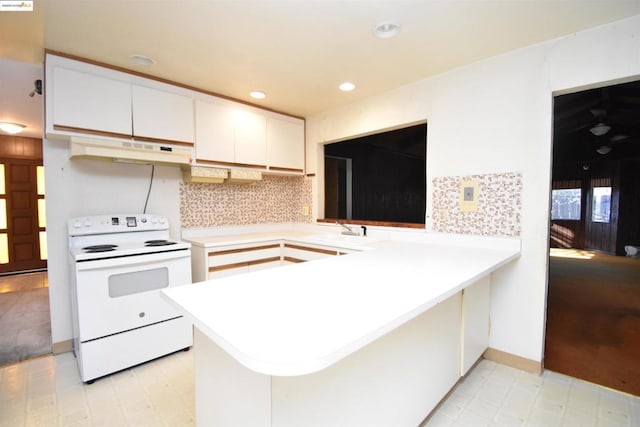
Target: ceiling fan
601,128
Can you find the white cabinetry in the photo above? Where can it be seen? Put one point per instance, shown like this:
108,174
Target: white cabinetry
84,102
216,262
215,129
285,144
209,262
160,115
83,98
295,252
251,138
230,134
475,322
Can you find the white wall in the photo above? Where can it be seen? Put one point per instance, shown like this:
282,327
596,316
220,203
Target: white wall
93,187
496,116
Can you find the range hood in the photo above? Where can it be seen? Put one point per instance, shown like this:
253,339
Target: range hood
128,151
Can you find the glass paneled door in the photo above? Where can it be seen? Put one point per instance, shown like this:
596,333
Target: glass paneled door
23,242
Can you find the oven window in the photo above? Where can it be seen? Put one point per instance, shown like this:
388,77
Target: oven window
138,281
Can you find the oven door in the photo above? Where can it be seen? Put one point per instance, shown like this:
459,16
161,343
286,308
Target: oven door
119,294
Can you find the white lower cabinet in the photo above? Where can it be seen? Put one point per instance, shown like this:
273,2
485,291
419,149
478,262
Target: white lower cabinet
475,322
293,253
229,261
221,261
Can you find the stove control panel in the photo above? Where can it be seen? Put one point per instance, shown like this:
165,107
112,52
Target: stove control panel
98,224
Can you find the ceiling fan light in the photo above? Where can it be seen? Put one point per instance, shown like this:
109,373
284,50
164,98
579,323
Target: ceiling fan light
619,138
11,128
604,149
600,129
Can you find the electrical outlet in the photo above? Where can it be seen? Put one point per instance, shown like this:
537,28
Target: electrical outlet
305,210
443,215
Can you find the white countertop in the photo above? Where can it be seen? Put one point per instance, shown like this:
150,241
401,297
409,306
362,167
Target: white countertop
302,318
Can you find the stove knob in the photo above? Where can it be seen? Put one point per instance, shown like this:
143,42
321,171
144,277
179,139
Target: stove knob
77,224
87,223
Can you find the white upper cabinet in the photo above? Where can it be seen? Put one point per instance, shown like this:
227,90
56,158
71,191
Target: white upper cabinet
285,144
251,138
227,132
86,98
215,129
159,115
86,102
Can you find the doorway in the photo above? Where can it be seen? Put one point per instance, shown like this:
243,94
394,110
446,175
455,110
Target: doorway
25,324
22,215
593,298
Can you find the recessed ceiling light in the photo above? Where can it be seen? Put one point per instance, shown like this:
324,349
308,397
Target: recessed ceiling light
143,60
386,30
346,86
11,128
256,94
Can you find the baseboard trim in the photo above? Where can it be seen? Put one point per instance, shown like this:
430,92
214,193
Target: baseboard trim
512,360
62,347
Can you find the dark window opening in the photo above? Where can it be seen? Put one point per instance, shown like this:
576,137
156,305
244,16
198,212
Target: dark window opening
379,177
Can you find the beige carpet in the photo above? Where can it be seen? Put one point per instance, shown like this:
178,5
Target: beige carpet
25,325
593,318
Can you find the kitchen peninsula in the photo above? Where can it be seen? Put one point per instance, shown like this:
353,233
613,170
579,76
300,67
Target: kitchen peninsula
376,337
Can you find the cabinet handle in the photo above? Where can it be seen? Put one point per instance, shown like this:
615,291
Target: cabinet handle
141,315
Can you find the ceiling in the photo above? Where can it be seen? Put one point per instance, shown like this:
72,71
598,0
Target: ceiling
576,115
296,51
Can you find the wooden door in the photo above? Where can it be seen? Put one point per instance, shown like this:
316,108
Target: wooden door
22,229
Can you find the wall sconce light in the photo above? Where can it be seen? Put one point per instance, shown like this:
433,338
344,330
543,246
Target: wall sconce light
11,128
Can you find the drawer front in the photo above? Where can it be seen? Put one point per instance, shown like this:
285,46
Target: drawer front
243,255
230,270
299,253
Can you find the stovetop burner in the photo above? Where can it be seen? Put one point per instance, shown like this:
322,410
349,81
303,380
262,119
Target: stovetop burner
158,243
99,248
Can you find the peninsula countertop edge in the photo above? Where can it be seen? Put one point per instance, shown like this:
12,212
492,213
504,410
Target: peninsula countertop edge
302,318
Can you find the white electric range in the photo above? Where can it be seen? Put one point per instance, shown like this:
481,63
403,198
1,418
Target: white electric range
118,264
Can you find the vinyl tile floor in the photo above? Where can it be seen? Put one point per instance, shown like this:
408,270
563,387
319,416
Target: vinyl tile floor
47,391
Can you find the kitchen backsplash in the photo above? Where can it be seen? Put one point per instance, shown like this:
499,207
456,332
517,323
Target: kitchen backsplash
274,199
498,211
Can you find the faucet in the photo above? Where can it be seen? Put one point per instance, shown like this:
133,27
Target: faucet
348,230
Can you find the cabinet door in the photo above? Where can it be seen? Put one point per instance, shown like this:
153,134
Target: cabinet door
159,115
476,301
215,126
285,144
86,102
250,138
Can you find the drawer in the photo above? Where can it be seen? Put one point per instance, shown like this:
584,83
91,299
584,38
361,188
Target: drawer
243,255
298,253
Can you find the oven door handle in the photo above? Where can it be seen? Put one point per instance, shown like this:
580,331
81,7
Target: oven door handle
132,260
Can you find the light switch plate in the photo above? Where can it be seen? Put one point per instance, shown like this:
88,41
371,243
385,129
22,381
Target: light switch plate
469,196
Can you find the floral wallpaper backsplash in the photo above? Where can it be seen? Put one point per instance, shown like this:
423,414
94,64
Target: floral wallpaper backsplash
274,199
498,211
